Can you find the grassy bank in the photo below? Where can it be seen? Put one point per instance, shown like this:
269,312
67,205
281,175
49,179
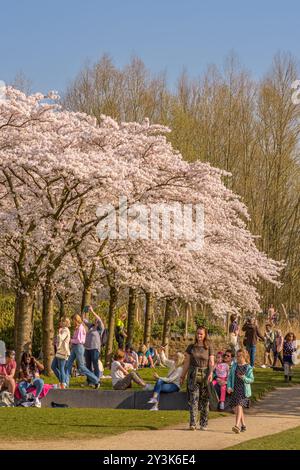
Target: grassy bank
286,440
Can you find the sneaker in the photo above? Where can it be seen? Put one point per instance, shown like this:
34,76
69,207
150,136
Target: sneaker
222,405
192,427
263,366
26,404
243,428
152,400
148,387
236,429
154,408
203,428
97,386
37,403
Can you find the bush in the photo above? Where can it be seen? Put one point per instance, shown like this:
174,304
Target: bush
157,330
212,328
7,312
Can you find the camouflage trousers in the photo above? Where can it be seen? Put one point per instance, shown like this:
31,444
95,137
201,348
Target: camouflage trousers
198,400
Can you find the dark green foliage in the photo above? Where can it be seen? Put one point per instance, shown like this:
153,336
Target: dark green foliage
212,327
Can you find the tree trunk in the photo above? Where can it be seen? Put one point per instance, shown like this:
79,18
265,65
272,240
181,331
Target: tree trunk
61,305
48,327
16,318
23,334
148,318
113,298
167,325
187,311
86,295
132,298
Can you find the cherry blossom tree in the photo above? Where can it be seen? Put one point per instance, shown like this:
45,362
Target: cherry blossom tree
57,167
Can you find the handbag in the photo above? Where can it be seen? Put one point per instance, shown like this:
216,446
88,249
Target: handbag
201,375
213,397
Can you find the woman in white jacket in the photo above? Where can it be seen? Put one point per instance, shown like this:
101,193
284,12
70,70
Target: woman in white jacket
168,384
62,351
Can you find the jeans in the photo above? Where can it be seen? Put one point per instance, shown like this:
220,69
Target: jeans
38,384
252,352
165,387
92,361
77,353
58,366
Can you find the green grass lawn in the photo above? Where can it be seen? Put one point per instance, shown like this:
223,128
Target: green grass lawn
266,380
57,423
286,440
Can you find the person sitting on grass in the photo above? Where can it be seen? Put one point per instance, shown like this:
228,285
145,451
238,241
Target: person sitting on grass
238,386
7,372
121,377
221,372
168,384
148,357
288,350
229,357
131,356
143,360
30,372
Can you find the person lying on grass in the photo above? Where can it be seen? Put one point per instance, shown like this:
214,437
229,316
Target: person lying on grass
238,386
121,377
168,384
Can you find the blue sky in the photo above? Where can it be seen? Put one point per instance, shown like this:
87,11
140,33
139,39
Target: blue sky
50,40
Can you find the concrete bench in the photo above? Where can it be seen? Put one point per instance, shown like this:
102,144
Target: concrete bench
119,399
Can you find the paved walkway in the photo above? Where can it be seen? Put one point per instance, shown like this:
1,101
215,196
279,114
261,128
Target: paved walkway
279,411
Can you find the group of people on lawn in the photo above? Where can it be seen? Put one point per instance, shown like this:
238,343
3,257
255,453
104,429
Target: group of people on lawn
226,372
276,346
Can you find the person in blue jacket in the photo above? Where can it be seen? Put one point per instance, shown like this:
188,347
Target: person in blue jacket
239,387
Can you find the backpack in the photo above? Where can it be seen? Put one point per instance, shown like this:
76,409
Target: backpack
104,337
